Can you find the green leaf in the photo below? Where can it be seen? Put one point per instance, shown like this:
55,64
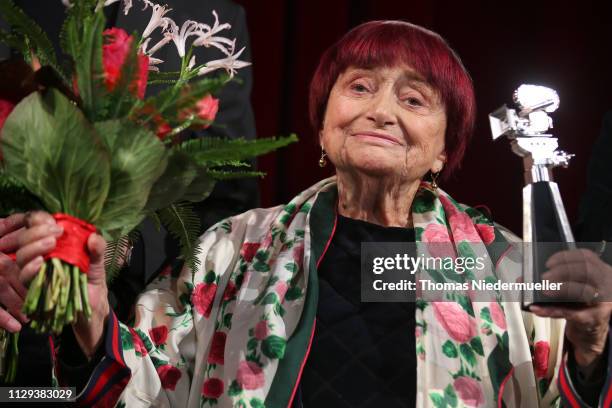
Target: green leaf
450,396
227,320
449,349
172,184
293,293
485,314
184,225
32,35
200,187
261,266
273,347
234,389
210,277
424,202
115,251
437,400
127,343
256,403
476,344
88,68
206,150
468,354
292,267
270,299
138,158
252,344
50,148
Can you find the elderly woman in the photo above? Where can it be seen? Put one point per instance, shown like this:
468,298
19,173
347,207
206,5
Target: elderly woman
273,317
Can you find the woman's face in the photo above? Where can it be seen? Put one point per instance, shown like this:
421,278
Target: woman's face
384,122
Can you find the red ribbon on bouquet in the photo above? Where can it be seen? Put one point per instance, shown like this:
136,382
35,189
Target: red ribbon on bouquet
71,246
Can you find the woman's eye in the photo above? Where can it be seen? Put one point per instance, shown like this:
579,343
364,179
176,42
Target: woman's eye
413,101
357,87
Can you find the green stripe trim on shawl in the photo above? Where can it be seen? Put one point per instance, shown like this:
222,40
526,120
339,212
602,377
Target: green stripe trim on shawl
322,217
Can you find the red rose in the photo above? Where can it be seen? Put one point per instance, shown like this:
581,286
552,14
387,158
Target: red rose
463,228
169,376
438,241
138,343
202,297
248,250
281,289
217,348
139,85
230,291
206,108
159,335
540,358
469,390
261,330
212,388
6,108
459,325
250,375
116,49
498,316
298,254
487,233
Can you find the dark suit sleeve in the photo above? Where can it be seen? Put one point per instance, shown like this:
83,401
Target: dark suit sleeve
594,218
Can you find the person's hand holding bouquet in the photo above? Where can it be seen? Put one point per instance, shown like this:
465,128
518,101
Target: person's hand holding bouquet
37,240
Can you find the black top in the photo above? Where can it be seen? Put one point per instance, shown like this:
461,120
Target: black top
362,354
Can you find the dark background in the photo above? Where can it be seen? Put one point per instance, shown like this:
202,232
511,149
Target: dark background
564,45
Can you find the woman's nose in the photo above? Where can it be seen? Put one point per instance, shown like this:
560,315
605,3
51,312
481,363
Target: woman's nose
380,111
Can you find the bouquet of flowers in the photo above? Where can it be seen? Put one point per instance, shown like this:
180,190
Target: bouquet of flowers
82,142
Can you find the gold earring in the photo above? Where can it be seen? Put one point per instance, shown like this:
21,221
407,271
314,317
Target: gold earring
434,180
323,160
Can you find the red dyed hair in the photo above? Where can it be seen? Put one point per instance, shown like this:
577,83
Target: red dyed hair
390,43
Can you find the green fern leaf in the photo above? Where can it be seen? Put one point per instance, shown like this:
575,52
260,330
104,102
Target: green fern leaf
26,27
115,252
184,225
230,175
210,150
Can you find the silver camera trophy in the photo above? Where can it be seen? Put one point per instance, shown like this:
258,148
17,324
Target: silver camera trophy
546,229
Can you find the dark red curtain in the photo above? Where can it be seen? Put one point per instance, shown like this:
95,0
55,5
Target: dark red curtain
564,45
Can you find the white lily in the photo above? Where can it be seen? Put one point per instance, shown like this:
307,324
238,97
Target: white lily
180,36
157,17
153,62
230,64
67,3
207,37
149,53
191,63
127,4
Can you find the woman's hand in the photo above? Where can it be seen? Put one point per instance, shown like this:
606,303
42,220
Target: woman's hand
38,239
584,276
12,290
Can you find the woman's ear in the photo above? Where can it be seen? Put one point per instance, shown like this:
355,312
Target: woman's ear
438,163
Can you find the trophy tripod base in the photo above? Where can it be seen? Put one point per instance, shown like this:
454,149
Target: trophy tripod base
546,231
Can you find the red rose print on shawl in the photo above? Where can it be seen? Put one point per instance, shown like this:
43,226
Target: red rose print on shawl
212,388
203,296
169,376
217,348
540,358
159,335
459,325
469,390
498,316
250,375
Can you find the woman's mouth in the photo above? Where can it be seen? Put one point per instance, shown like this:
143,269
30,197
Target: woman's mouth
377,137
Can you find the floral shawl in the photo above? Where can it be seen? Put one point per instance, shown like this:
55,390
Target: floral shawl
236,332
